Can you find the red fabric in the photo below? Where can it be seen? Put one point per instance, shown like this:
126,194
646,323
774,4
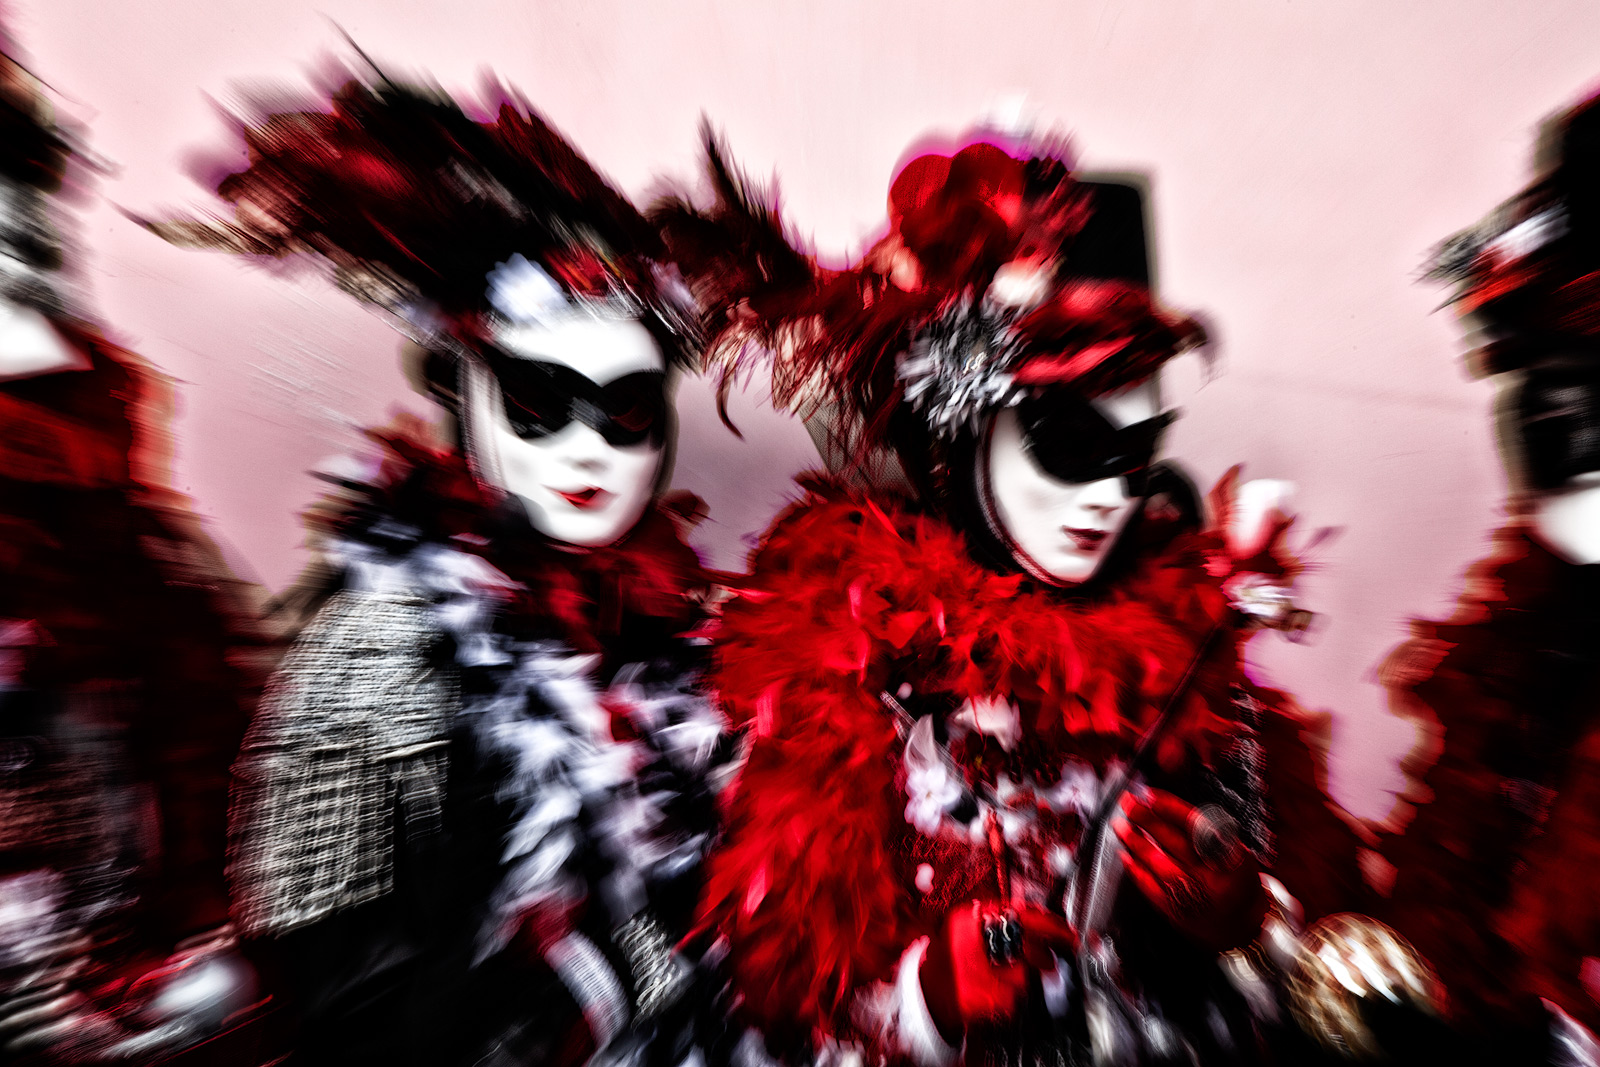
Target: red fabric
595,596
961,985
849,598
1538,293
1553,919
1499,897
1099,337
74,428
1317,845
128,600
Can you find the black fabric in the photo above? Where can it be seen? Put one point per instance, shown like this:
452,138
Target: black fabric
123,615
1113,244
1557,418
1576,180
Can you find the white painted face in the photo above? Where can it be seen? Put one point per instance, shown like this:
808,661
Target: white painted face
30,346
578,488
1567,519
1061,531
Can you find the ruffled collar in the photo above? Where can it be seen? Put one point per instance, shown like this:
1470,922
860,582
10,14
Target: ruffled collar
850,592
620,600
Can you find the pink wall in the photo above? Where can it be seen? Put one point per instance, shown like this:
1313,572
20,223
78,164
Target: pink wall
1304,157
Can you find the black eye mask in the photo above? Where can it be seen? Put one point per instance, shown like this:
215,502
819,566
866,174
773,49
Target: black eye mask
541,399
1072,442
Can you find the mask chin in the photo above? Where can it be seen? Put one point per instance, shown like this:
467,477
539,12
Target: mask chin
975,508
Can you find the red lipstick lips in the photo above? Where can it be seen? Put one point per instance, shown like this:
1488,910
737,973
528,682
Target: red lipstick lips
584,499
1085,540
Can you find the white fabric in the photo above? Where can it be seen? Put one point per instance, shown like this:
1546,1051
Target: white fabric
1568,519
912,1030
1575,1045
30,346
350,733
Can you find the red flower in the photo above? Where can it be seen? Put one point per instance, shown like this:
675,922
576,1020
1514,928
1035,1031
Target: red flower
962,215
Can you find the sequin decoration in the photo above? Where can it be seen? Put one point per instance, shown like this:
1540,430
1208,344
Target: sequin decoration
959,368
350,742
659,978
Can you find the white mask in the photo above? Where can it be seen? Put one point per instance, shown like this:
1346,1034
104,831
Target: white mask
1057,530
1568,519
578,488
30,346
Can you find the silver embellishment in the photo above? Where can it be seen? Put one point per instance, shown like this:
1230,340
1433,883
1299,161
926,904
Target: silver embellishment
592,983
523,294
1215,836
28,246
959,367
1243,789
1456,259
659,976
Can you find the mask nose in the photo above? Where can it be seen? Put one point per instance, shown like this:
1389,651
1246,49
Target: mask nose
585,450
1103,499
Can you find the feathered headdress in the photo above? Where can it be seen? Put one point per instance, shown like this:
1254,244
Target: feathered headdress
1531,270
449,222
972,297
34,152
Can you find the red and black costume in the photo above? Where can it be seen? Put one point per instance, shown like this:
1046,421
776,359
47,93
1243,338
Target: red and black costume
125,598
825,880
129,662
1494,875
930,726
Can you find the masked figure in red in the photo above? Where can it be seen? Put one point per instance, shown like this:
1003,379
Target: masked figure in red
126,665
1009,793
1495,873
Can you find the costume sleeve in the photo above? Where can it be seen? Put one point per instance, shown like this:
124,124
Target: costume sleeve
350,739
1316,849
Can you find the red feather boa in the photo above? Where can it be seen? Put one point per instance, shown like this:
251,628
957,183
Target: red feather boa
848,599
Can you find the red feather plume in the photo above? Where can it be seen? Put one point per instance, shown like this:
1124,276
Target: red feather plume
833,338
